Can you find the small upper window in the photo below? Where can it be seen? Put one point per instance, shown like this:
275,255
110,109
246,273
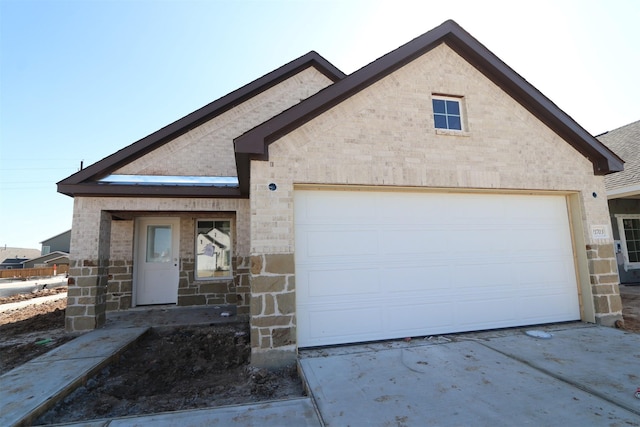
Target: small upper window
447,113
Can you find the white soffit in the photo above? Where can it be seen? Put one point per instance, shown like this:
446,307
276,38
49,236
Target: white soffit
178,180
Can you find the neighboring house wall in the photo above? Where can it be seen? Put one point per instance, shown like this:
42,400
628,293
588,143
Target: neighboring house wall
624,207
102,238
384,136
623,192
59,243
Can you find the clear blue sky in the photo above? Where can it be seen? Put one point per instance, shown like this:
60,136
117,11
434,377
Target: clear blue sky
80,80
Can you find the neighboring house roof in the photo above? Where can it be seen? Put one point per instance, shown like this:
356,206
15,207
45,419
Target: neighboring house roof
83,182
13,262
625,142
59,260
254,143
48,257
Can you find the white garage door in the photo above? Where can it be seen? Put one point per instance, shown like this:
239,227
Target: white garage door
382,265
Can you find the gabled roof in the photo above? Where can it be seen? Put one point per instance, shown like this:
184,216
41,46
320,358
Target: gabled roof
83,182
254,144
50,256
625,142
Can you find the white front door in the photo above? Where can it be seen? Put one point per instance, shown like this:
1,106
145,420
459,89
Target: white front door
157,260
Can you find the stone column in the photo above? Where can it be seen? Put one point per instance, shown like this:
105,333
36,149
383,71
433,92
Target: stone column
603,272
88,273
273,330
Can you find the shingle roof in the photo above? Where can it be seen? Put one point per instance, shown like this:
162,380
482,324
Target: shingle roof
625,142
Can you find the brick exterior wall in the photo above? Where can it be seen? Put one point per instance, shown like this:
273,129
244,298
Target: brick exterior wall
208,149
384,136
101,257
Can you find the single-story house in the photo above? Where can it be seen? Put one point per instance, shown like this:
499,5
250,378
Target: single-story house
623,193
12,263
48,260
432,191
58,243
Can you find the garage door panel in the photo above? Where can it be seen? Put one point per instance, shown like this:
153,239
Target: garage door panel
337,283
379,265
405,319
538,241
340,325
413,240
485,313
323,244
545,272
494,273
472,243
415,208
415,278
322,207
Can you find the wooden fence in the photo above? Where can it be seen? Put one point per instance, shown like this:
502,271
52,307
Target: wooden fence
33,272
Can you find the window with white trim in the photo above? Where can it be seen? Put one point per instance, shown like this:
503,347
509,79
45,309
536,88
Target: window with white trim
447,112
629,230
213,249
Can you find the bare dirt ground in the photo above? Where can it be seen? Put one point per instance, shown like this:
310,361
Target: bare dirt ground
182,368
31,331
631,307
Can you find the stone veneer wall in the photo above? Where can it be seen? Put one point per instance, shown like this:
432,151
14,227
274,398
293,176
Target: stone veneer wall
215,292
603,271
273,308
120,285
384,136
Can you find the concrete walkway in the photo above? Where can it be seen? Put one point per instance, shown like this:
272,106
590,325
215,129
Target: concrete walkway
582,375
32,388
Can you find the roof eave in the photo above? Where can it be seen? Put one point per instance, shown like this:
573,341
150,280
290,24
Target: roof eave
209,111
102,190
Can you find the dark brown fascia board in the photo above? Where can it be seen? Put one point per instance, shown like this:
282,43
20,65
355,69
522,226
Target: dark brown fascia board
604,160
255,142
90,189
192,120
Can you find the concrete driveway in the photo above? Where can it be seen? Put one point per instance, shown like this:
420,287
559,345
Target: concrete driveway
582,375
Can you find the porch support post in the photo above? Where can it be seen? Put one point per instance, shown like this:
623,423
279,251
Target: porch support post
88,273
